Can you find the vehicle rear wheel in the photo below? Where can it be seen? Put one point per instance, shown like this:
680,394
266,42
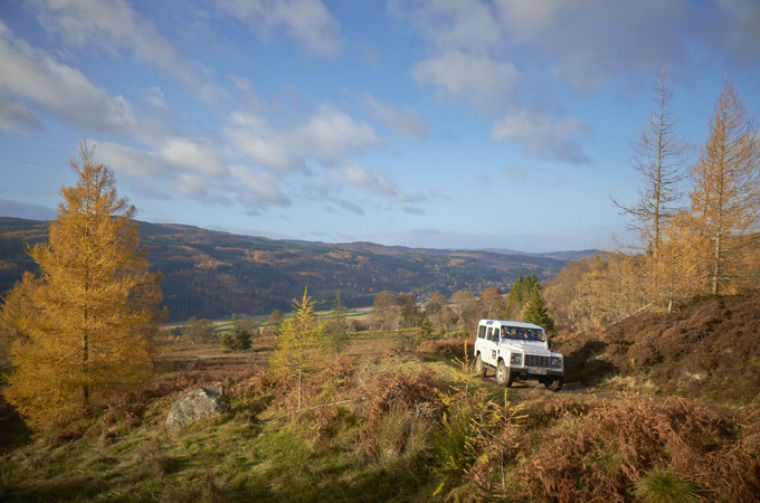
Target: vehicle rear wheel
480,366
554,384
503,374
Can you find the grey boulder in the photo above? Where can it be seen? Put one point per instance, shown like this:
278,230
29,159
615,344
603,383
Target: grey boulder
201,403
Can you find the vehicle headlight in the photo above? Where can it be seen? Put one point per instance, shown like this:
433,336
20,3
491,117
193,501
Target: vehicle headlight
556,362
516,359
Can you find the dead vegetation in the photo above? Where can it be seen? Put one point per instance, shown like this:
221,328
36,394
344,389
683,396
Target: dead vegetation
399,425
604,454
709,348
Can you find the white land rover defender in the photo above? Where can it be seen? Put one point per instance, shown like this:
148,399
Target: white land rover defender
517,351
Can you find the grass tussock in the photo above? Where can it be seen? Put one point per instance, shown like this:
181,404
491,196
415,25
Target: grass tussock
658,486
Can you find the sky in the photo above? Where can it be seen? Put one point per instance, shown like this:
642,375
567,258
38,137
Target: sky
443,124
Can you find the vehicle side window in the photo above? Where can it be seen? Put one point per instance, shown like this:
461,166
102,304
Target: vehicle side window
496,334
481,331
490,333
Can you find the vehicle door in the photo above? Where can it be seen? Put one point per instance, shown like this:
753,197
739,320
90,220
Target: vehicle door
480,340
490,355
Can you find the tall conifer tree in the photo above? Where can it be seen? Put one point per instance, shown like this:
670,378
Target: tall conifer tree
95,304
536,313
725,200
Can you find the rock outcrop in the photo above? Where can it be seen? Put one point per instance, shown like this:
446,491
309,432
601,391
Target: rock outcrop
201,403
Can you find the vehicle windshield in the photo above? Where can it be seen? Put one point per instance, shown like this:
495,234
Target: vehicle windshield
523,334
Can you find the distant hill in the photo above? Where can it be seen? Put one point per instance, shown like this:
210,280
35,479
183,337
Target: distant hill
214,274
566,255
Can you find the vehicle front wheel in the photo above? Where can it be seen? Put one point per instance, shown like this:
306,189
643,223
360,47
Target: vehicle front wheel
554,384
480,366
503,374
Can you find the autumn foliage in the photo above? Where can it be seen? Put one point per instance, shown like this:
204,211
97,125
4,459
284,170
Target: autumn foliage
83,329
302,347
708,246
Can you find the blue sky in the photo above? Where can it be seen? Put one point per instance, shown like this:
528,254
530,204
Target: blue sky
504,124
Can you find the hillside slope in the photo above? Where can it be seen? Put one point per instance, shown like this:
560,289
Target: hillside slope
213,274
709,348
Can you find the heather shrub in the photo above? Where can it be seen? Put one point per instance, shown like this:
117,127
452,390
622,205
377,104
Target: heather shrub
238,340
617,444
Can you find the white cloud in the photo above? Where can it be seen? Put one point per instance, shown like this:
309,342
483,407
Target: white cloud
580,44
542,137
154,96
123,159
258,185
192,185
478,79
308,22
195,168
331,133
413,210
453,24
264,151
252,135
189,161
15,116
113,26
328,135
405,120
30,74
196,155
591,42
524,19
353,208
741,40
375,183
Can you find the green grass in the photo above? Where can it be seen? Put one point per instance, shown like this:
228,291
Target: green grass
231,458
659,486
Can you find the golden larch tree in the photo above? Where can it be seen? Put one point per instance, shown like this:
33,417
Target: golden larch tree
678,265
95,306
724,199
301,346
17,307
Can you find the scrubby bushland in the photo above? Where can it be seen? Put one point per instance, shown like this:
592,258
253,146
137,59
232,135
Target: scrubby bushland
709,348
238,339
394,429
609,453
397,426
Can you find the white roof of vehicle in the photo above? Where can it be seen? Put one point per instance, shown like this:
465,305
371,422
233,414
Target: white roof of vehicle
510,323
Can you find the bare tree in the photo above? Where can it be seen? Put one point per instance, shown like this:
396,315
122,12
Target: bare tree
659,156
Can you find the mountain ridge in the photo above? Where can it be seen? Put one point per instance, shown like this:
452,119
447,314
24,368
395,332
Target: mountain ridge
212,273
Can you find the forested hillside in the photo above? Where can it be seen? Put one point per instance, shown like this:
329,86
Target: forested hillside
213,274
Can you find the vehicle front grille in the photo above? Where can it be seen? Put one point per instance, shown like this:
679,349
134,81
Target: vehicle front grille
537,361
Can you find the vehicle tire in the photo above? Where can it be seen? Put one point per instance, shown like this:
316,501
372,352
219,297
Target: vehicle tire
554,384
503,374
480,366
